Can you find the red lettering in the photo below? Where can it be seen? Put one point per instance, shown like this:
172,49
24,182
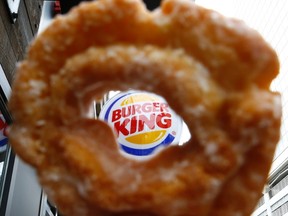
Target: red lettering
136,109
156,107
126,111
133,124
2,124
121,127
143,120
163,120
146,107
131,119
164,107
116,115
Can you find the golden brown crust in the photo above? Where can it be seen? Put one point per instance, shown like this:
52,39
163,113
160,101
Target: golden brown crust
214,72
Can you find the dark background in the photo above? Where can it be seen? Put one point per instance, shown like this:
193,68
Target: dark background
67,4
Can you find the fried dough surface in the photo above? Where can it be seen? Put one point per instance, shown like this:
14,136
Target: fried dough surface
214,72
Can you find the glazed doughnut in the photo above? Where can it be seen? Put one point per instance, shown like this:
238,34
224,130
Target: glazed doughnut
213,71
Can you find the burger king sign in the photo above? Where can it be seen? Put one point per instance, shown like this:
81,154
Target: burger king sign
3,133
142,122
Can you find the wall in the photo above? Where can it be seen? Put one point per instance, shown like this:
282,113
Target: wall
14,37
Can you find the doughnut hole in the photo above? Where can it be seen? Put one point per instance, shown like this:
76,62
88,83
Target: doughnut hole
143,122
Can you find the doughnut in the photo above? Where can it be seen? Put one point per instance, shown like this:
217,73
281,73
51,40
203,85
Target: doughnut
214,72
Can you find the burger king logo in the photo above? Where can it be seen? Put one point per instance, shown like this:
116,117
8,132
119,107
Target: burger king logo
142,122
3,133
